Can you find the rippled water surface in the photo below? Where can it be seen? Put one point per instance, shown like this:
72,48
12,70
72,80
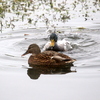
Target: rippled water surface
20,83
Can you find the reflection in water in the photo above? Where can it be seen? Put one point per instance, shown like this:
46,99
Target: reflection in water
35,72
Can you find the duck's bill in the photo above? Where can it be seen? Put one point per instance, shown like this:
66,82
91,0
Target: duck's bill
52,44
25,53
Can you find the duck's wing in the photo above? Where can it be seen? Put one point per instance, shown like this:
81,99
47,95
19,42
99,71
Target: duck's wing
48,58
59,58
64,45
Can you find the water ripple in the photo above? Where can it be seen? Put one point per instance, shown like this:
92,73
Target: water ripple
85,45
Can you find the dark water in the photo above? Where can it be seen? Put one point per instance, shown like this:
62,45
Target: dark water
19,83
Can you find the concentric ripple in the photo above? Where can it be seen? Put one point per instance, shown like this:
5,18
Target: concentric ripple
85,45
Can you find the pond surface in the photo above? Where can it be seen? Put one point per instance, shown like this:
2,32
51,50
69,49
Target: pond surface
19,83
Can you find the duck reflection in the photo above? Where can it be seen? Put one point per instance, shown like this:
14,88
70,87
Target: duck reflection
35,72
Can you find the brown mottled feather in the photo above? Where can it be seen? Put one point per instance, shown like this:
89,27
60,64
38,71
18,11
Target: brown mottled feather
45,58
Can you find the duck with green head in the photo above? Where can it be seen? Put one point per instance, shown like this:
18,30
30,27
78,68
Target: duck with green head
56,45
46,58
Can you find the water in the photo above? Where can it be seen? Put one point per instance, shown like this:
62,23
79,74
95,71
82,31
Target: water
17,84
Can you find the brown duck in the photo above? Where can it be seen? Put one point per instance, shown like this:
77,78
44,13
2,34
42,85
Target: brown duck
47,58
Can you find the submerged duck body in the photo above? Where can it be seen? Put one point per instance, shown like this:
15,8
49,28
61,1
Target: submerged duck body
55,45
46,58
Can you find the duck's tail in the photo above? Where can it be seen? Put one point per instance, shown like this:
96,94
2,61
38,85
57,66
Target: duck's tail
70,61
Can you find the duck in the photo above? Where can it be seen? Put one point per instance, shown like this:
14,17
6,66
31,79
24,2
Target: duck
46,58
55,45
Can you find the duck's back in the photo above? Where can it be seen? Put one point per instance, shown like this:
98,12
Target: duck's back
45,59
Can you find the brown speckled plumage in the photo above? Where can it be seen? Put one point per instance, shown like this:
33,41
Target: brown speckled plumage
46,58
